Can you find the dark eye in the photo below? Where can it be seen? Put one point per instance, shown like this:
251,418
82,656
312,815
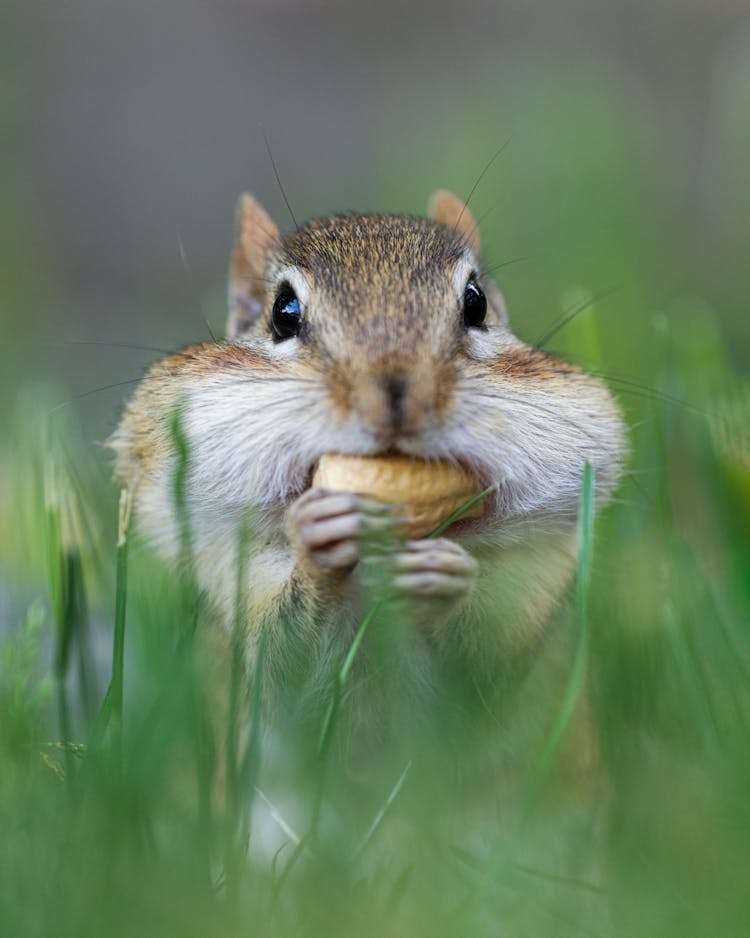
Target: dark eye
475,304
286,317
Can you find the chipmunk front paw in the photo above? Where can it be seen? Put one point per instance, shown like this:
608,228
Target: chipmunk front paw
329,529
431,569
430,578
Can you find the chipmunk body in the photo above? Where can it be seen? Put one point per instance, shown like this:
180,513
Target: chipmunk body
369,335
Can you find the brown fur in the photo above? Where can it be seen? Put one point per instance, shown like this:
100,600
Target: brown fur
528,364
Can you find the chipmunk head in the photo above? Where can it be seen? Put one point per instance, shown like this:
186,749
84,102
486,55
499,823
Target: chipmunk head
367,335
383,306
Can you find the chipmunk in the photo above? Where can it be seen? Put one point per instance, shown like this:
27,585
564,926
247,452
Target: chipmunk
366,335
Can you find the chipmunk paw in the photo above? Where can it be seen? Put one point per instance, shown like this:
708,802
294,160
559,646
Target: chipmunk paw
431,569
331,529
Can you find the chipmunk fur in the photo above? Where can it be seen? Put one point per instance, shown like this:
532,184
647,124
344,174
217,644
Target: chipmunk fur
382,361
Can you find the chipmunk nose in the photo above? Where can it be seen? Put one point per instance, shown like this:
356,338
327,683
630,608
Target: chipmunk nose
393,403
395,391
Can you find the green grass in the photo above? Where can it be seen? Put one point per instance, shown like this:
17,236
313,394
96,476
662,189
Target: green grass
142,810
131,802
136,799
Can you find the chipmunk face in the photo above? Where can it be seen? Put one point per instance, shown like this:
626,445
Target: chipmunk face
393,340
386,304
366,335
381,308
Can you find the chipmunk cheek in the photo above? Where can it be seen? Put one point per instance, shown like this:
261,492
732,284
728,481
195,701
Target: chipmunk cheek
338,390
483,345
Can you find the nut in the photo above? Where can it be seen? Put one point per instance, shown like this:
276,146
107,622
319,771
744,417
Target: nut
429,491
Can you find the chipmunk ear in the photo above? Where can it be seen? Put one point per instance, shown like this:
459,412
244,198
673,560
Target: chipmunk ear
448,209
255,238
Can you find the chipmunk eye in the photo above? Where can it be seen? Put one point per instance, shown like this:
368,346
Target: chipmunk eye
286,317
475,304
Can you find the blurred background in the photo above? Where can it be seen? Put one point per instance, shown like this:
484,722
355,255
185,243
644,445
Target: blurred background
128,131
621,195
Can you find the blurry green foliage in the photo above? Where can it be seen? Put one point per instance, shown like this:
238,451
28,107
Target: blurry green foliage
610,199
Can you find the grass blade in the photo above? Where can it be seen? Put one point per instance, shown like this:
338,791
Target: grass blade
578,670
121,590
